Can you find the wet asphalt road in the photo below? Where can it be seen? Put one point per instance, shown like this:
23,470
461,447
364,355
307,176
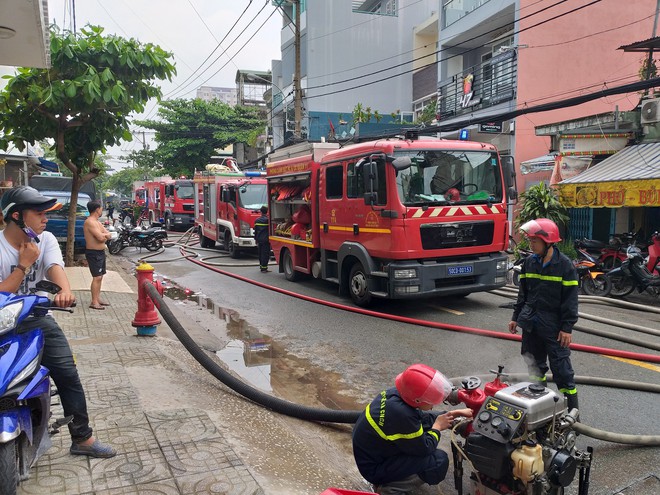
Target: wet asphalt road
347,358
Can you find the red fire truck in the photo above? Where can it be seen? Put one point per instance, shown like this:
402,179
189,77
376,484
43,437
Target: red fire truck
226,206
395,218
168,200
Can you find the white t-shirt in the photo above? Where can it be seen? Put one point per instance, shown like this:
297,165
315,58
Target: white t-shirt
49,255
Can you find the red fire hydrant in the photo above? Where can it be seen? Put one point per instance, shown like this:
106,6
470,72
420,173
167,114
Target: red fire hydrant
146,316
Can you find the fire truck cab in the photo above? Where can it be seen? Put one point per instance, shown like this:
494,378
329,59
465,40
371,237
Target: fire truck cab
227,203
170,201
395,218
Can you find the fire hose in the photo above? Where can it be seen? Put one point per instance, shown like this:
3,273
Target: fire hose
323,415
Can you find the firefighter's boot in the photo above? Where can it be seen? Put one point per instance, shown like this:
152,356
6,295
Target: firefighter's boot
572,403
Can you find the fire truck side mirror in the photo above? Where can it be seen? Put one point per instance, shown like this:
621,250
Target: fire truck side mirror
509,170
402,163
370,175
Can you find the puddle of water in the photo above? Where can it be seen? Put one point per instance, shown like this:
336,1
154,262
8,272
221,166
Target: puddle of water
261,361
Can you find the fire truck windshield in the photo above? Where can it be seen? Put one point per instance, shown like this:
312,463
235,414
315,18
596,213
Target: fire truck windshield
253,196
449,177
185,191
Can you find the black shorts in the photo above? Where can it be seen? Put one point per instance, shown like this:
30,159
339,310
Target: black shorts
96,261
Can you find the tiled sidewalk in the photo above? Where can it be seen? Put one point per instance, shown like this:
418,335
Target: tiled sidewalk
161,450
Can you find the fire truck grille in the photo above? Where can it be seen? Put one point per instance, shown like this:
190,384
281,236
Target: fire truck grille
456,234
188,207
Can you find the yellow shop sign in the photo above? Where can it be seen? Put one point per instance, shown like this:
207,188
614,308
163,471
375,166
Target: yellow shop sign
610,194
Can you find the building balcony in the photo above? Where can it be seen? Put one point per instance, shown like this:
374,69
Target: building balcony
453,10
479,87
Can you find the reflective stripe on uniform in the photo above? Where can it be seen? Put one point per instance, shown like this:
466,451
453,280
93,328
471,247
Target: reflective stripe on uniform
568,391
549,278
397,436
261,224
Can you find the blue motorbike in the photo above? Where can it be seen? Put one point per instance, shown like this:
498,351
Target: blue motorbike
25,390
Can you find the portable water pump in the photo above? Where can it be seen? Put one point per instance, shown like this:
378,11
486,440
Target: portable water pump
520,441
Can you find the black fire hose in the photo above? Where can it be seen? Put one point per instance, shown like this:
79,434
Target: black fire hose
324,415
273,403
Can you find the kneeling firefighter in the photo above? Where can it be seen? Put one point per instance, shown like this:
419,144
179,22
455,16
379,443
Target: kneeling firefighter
395,440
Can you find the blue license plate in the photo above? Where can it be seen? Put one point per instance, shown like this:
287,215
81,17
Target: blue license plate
459,270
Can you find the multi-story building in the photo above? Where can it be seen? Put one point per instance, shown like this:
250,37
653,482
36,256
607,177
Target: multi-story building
479,58
225,95
346,46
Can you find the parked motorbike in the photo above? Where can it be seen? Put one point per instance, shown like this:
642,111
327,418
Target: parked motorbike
653,258
151,239
516,266
591,276
633,274
24,387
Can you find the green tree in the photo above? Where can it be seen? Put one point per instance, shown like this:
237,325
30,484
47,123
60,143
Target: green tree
83,101
122,180
190,132
428,113
541,201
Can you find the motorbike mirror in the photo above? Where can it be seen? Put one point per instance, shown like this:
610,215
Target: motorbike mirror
47,286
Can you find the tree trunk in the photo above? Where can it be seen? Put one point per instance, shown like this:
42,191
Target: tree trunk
71,227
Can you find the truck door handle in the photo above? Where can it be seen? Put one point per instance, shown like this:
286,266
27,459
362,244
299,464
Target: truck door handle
356,229
325,227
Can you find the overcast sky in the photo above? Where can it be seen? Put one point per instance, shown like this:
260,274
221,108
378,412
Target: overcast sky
191,30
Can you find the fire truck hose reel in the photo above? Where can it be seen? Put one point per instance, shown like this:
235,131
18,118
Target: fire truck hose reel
333,416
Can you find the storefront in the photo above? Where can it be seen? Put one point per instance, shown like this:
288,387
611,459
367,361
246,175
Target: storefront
624,187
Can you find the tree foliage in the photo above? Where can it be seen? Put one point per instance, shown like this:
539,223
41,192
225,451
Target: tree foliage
542,201
190,132
83,101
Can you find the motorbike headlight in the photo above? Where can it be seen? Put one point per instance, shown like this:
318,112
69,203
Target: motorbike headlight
27,371
9,315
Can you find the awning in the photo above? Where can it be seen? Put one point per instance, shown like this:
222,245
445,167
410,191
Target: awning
630,177
545,162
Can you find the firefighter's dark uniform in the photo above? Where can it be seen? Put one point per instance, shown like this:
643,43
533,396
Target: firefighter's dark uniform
393,441
261,237
547,304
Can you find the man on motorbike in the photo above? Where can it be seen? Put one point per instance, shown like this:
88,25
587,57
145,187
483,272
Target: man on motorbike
29,254
547,308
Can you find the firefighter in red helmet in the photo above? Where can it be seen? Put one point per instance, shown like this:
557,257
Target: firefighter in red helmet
547,308
395,439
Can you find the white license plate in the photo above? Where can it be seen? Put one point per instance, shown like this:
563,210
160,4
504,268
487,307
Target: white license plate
459,270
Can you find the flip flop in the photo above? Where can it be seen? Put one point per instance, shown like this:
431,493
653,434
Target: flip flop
91,306
104,304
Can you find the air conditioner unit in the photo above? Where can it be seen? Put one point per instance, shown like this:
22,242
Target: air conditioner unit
650,111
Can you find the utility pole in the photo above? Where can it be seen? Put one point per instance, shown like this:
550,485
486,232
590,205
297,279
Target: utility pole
297,91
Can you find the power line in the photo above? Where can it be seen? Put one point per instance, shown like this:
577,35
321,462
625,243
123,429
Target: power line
171,93
496,29
447,58
394,56
219,45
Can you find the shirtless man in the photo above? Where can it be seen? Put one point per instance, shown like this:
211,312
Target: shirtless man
95,237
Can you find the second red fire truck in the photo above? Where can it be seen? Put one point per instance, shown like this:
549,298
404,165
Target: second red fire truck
167,200
395,218
226,205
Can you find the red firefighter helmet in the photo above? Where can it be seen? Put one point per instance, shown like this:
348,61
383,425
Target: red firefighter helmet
422,385
543,228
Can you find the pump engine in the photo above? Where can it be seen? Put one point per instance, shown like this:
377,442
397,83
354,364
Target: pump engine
520,442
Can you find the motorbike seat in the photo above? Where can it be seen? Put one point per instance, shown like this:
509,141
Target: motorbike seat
592,244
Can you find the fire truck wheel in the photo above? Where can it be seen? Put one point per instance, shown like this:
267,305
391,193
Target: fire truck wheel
287,263
205,242
358,286
231,247
168,223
